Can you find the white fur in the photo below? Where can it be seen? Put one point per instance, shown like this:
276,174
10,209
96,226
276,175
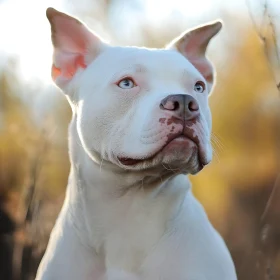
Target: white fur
133,222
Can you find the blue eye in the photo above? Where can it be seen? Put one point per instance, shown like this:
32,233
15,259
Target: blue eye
126,83
199,87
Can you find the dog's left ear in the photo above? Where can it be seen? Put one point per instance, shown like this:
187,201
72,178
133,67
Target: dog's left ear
74,46
193,44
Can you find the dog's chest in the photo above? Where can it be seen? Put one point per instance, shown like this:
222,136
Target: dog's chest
127,232
134,237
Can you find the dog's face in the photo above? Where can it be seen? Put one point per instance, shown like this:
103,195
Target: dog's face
137,108
140,108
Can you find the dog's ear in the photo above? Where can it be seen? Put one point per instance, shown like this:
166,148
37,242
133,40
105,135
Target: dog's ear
193,44
75,46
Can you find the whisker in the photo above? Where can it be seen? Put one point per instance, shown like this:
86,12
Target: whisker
169,168
218,141
216,154
102,159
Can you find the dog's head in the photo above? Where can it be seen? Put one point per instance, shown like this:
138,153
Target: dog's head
137,108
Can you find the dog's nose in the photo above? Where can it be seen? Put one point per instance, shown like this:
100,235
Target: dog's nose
185,106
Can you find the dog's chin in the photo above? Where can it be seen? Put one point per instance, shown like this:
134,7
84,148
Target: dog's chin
181,155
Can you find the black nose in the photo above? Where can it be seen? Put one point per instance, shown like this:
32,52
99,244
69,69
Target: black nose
184,106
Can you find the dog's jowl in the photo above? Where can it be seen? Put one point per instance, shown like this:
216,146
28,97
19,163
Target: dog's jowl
141,123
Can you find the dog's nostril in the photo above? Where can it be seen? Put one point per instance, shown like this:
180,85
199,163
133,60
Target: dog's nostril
193,106
176,105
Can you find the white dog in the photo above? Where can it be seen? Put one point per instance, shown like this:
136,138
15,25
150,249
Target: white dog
141,122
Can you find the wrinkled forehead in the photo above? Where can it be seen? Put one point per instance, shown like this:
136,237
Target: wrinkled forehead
146,60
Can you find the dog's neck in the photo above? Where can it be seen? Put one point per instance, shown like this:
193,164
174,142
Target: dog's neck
101,195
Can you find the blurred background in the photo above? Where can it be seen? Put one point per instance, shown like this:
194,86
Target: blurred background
239,189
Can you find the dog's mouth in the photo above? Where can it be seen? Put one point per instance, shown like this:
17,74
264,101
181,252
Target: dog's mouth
131,161
180,139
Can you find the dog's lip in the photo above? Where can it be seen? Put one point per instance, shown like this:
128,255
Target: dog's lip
130,161
134,161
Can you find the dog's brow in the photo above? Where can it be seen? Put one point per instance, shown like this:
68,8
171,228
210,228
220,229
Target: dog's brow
140,68
188,74
135,68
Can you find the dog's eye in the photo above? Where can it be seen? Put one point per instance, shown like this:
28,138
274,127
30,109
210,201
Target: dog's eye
199,87
126,83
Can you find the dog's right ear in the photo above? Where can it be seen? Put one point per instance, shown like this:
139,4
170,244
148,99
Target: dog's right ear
193,45
75,46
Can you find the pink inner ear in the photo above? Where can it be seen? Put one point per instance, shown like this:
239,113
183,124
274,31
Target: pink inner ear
194,50
66,65
203,66
70,34
71,40
193,46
